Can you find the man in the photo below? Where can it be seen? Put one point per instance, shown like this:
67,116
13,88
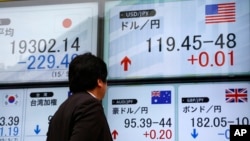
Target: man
81,117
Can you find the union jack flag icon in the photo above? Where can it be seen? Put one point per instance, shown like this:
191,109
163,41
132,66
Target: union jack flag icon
236,95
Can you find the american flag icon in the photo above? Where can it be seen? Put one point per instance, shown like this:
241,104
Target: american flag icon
220,13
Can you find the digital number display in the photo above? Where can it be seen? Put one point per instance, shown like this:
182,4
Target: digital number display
39,45
26,113
213,110
177,112
138,112
178,39
11,114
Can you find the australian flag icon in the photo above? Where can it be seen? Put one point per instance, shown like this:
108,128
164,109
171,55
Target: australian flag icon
161,97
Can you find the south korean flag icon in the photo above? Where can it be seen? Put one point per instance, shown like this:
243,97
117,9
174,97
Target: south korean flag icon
11,99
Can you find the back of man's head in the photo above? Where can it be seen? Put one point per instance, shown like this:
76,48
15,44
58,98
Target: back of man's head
84,71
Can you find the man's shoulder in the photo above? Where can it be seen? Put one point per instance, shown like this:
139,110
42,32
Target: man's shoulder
81,98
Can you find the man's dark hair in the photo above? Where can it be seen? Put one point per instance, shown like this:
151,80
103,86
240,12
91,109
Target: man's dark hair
84,70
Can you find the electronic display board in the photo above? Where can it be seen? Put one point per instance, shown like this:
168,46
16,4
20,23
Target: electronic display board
38,42
178,111
183,38
25,113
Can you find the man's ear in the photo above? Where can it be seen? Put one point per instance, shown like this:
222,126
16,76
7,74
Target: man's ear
99,83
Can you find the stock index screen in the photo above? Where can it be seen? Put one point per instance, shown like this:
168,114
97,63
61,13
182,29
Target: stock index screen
25,113
38,42
182,38
177,112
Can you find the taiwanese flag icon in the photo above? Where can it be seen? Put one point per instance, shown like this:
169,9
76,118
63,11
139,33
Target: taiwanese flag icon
11,99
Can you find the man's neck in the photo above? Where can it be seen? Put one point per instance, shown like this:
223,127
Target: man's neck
92,94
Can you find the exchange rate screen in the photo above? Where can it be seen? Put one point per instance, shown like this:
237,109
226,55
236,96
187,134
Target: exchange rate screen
181,38
177,112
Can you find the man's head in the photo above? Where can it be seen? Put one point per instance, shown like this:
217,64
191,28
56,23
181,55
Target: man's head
87,73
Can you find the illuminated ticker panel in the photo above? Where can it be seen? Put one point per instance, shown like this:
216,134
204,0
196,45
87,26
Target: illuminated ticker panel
177,39
178,42
177,112
144,39
39,45
26,112
38,41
